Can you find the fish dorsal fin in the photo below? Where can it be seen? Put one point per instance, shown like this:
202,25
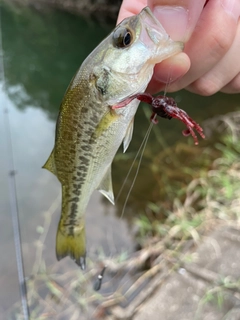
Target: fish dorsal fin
50,164
105,186
128,136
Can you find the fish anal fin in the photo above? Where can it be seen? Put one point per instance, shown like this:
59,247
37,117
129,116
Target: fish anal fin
128,136
50,164
72,245
105,186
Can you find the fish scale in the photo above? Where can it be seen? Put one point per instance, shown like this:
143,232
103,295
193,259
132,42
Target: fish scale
90,129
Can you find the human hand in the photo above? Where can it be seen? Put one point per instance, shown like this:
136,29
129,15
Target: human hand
211,33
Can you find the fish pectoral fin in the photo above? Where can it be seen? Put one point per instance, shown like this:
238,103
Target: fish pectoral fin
128,136
105,186
50,164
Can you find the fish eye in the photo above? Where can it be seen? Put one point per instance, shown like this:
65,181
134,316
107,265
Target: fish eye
122,37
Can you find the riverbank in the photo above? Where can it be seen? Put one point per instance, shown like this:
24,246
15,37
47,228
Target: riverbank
192,262
187,264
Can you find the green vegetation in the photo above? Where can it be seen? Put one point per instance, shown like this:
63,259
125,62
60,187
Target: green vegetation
218,294
204,185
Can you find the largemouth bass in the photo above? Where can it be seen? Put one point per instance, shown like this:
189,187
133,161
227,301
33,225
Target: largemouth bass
91,127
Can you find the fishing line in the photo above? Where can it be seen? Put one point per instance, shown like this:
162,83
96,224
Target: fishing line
168,82
134,160
98,281
141,149
143,146
13,194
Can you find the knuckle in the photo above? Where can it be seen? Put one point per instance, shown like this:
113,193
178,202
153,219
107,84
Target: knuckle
233,86
236,86
205,87
220,41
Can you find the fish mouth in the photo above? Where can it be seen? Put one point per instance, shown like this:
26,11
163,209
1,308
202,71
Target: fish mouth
154,45
151,21
154,36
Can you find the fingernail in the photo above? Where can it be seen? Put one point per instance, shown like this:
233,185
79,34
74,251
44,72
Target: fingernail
232,7
174,20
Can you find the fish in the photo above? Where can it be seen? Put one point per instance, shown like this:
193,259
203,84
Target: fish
97,115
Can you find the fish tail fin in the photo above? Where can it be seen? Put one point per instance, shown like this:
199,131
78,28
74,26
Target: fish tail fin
71,242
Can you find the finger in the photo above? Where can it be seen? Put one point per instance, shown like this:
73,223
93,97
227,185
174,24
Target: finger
185,17
170,70
233,86
129,8
222,73
210,40
179,18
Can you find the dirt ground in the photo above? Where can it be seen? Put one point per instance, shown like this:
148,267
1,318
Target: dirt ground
207,288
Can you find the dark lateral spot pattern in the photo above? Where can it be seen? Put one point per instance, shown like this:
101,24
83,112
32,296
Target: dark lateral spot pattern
86,148
77,147
85,109
78,181
72,220
75,199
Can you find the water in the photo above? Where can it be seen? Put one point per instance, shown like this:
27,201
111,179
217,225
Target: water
41,54
42,51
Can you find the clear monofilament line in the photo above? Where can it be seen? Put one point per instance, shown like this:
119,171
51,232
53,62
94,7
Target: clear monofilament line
167,83
134,160
141,149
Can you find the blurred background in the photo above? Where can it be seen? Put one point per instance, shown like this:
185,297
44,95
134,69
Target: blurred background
43,45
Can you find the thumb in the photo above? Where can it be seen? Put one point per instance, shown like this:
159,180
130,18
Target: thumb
178,17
